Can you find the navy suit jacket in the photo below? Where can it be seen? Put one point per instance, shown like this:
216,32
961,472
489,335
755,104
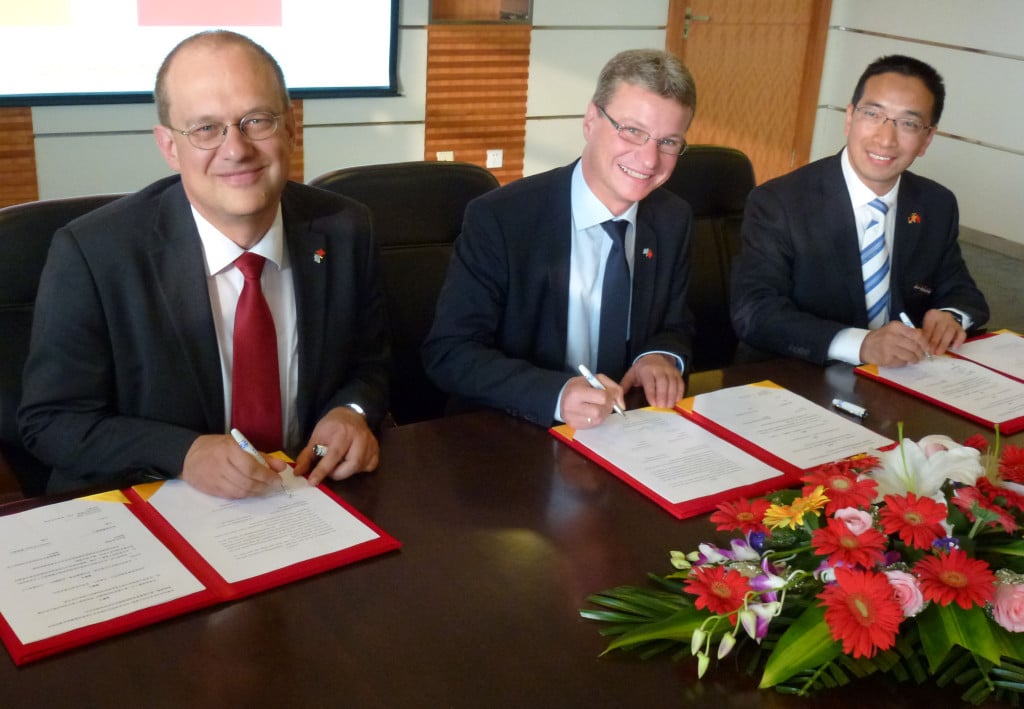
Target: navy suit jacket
123,372
797,280
500,328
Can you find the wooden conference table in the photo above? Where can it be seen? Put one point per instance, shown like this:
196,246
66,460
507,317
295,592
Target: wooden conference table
505,532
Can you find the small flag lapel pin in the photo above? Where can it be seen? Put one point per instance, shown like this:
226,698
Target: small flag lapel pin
914,218
319,255
648,254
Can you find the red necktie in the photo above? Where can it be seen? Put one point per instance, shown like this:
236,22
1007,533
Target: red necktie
255,383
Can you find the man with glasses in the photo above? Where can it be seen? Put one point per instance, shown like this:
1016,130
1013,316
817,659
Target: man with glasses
222,297
852,258
587,264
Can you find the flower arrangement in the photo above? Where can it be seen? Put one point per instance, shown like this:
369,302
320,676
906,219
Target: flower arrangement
908,562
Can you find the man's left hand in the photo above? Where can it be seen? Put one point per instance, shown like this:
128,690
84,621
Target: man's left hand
942,331
660,378
351,447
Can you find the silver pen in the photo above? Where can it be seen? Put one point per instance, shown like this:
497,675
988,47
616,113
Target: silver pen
593,381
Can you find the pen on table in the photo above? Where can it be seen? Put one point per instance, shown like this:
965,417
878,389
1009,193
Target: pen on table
249,448
858,411
592,381
905,319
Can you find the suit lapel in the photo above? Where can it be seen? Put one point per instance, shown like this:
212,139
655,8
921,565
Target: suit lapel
644,277
906,236
556,239
179,272
839,227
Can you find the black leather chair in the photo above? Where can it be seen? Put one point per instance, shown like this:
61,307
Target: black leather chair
417,210
25,234
715,180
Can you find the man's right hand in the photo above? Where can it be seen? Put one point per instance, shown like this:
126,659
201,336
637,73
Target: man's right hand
217,465
583,406
893,345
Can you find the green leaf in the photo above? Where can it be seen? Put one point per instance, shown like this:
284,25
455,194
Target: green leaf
805,645
679,627
943,627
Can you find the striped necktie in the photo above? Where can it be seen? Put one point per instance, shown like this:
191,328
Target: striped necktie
874,263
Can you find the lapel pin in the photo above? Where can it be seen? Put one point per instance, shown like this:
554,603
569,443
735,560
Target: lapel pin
914,218
319,255
648,254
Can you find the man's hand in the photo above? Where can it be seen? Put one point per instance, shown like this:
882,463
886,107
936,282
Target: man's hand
584,406
217,465
351,447
660,378
942,332
894,345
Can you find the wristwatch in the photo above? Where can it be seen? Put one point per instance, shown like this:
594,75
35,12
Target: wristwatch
957,316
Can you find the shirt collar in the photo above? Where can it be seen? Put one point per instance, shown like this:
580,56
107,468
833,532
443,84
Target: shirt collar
587,209
221,252
861,194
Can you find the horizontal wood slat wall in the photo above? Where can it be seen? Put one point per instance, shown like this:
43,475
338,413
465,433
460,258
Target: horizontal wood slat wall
476,94
17,156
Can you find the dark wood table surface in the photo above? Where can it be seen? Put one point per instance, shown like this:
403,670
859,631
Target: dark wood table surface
505,532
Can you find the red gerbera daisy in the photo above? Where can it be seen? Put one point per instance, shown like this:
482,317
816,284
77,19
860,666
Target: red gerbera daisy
718,589
861,611
842,546
842,487
1011,464
967,497
742,515
1000,495
954,576
977,442
917,519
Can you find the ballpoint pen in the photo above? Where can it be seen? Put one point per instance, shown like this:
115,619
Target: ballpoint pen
905,319
592,381
249,448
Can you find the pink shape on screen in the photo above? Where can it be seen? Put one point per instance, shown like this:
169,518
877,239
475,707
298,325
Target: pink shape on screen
203,13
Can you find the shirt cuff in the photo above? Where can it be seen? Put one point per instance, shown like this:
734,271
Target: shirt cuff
845,346
966,320
673,355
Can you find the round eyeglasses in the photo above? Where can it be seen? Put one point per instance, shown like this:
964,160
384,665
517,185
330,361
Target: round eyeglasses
254,126
873,117
668,146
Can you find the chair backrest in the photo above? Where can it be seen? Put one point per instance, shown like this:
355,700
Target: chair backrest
25,234
417,210
715,180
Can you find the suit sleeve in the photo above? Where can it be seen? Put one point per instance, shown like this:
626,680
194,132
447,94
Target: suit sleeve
467,352
763,310
69,411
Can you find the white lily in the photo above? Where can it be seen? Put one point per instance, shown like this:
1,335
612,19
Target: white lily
923,467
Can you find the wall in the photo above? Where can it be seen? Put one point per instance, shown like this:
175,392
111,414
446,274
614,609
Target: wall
978,47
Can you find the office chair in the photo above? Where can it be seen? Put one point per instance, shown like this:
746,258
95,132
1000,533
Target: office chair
416,208
25,234
715,180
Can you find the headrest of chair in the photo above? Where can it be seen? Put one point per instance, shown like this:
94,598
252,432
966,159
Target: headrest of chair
430,195
25,234
714,179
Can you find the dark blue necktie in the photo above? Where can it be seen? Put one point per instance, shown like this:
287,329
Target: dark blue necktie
615,297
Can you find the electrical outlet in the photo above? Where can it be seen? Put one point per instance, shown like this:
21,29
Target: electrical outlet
495,158
446,155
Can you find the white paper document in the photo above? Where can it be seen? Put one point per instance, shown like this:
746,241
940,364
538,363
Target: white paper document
673,456
244,538
787,425
1003,352
75,563
962,385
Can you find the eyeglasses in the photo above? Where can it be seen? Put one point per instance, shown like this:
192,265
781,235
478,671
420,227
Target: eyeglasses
209,136
874,117
668,146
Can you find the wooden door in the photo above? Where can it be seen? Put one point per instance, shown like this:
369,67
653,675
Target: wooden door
757,64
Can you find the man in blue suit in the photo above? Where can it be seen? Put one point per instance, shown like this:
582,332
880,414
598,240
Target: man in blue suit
527,291
853,258
131,373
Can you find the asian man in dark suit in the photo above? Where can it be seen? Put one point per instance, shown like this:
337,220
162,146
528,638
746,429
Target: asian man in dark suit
135,368
835,253
537,278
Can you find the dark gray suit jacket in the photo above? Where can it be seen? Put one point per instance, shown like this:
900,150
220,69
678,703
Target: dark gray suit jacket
797,280
500,329
123,372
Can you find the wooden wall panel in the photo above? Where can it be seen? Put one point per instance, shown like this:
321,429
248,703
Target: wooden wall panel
476,94
297,169
17,156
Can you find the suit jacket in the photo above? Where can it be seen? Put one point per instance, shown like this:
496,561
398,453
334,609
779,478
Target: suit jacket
123,372
797,280
500,328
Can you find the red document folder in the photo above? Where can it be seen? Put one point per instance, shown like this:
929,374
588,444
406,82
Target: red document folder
215,588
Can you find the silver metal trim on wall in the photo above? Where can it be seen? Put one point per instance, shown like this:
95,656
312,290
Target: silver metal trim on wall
943,45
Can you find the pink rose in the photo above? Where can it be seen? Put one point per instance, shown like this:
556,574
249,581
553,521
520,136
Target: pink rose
906,591
857,521
1008,606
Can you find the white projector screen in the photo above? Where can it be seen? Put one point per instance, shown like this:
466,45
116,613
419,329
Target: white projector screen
108,51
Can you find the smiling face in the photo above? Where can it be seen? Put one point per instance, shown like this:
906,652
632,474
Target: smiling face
880,154
618,172
237,186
